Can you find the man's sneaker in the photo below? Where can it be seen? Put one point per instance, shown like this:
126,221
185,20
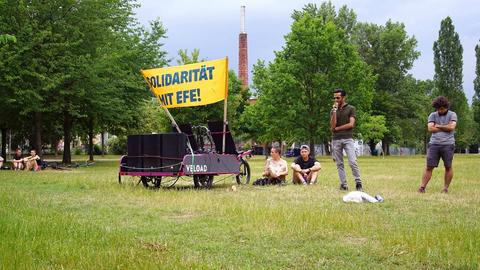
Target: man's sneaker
421,190
359,187
343,187
445,190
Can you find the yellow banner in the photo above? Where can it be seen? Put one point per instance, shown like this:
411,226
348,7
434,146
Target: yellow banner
189,85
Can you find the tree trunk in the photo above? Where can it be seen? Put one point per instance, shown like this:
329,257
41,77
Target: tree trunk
265,150
90,139
55,147
4,143
103,143
385,147
37,123
326,144
281,146
425,143
67,137
312,147
372,145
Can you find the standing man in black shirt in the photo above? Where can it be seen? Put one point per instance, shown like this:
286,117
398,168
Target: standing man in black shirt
342,121
305,168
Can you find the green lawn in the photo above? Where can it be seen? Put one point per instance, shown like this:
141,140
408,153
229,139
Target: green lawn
84,219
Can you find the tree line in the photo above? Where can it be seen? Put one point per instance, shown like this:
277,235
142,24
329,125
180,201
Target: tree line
327,49
71,69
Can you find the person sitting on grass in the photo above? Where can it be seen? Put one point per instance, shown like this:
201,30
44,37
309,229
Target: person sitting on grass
276,168
17,161
305,168
1,162
32,161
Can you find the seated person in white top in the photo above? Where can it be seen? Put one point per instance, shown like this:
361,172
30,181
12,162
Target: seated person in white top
305,168
276,168
1,162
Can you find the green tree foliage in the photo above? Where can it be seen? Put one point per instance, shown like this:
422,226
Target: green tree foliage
23,74
346,18
476,95
295,90
236,102
6,102
200,115
186,59
374,128
76,63
390,52
117,91
253,120
448,53
5,38
412,119
152,118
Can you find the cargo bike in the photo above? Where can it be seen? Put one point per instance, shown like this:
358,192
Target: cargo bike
161,160
198,152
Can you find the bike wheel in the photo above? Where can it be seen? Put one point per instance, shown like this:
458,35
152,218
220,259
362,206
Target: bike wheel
169,181
203,181
151,181
243,178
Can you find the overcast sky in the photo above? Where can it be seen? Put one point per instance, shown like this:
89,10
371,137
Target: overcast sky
213,27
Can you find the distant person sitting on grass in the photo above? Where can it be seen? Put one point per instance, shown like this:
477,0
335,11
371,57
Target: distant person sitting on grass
1,162
17,161
305,168
276,168
32,161
442,125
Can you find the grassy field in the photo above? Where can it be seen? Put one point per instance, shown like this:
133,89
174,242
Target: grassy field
84,219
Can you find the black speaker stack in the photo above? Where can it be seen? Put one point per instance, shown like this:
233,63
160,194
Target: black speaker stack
156,152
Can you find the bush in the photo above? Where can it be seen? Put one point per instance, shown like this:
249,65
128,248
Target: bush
97,149
77,151
118,145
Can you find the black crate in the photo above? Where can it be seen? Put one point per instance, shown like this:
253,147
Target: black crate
173,150
134,150
152,152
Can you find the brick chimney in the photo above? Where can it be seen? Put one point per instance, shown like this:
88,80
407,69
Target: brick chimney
242,50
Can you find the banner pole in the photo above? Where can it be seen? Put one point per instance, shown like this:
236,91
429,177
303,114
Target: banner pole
225,109
224,125
169,116
172,119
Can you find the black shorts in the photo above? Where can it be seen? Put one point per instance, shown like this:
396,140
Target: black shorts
436,151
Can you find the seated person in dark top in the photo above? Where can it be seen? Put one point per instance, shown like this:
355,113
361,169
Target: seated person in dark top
305,168
17,161
32,161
